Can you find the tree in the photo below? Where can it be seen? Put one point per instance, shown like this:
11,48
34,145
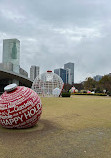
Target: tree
79,86
67,87
105,83
90,84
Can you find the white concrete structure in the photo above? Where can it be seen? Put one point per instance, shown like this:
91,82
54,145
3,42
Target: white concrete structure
8,77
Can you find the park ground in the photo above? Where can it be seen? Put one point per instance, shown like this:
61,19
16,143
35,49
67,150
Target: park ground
76,127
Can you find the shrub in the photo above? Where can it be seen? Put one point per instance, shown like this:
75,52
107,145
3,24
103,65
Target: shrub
109,93
84,91
66,94
100,94
95,94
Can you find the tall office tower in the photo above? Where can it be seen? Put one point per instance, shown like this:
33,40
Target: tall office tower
71,67
11,53
62,73
34,72
68,74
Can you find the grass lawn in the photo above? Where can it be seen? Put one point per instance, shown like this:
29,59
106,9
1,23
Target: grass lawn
76,127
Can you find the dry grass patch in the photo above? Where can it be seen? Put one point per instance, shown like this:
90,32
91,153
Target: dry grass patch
78,112
76,127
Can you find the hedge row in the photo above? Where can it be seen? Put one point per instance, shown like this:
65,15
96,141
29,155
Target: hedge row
95,94
66,94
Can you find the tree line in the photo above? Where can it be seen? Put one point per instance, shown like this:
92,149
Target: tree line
102,86
98,86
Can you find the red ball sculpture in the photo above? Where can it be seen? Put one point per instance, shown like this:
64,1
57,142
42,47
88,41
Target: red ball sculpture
20,107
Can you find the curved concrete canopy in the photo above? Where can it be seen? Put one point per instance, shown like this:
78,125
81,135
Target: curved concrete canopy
12,75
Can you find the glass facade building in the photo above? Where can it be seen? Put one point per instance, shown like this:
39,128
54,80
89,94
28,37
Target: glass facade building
71,67
63,74
11,53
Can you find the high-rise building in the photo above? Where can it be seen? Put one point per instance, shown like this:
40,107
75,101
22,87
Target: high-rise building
11,53
34,72
68,71
62,73
23,72
71,67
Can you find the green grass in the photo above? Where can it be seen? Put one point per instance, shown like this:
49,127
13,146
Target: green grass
75,127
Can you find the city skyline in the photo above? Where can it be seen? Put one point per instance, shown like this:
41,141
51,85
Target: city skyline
8,58
54,33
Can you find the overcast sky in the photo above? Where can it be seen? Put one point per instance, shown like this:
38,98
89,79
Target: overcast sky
54,32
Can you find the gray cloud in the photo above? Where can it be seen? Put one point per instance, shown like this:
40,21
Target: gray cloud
54,32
